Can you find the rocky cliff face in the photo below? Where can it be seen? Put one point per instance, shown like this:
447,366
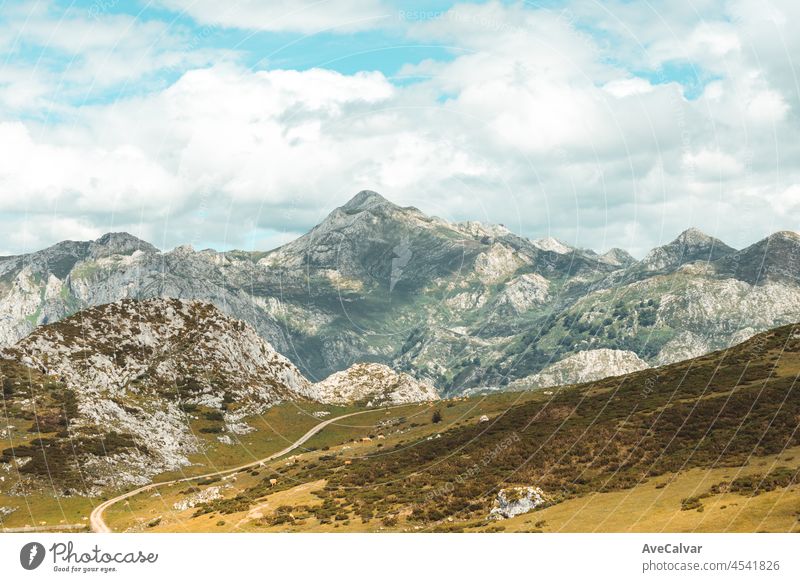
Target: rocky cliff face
464,305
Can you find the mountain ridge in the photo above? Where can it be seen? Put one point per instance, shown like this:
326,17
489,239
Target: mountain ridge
376,282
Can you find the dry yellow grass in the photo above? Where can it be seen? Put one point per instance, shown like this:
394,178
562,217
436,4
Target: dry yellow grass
647,508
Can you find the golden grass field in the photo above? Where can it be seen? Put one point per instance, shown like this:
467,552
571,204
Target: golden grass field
655,506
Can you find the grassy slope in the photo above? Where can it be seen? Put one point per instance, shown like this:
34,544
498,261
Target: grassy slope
600,451
657,505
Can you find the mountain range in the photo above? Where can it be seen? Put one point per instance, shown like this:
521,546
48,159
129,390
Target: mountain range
460,306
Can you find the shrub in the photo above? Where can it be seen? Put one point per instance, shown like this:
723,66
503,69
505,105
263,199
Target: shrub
691,503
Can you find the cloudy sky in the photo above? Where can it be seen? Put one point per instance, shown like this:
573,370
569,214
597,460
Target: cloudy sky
241,124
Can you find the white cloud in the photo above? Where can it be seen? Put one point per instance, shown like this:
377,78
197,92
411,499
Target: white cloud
767,107
788,201
67,179
56,58
627,87
34,232
713,165
286,15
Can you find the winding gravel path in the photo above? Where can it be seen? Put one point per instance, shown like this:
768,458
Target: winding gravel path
98,525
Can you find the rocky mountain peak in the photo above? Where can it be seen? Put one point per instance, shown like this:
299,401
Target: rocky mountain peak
690,246
618,257
371,241
374,384
786,235
119,243
365,200
693,237
480,229
142,368
774,258
183,250
552,244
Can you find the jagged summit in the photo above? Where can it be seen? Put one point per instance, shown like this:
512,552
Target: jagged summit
695,240
365,200
618,257
695,236
119,243
691,245
772,258
552,244
374,384
785,235
156,342
360,240
140,368
481,229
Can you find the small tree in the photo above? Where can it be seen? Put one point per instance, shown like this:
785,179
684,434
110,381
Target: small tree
437,417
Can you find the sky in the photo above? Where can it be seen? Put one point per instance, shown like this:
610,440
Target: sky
242,124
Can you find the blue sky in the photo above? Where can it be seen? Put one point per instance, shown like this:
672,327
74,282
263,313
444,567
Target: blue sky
240,125
386,48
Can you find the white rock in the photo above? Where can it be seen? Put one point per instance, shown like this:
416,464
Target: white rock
374,383
586,366
516,501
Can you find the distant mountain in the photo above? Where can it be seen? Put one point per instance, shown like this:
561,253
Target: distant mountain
372,244
553,244
618,257
773,259
462,305
692,245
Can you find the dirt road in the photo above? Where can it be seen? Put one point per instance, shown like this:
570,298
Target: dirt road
97,524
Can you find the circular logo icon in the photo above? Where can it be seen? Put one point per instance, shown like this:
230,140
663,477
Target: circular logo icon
31,555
